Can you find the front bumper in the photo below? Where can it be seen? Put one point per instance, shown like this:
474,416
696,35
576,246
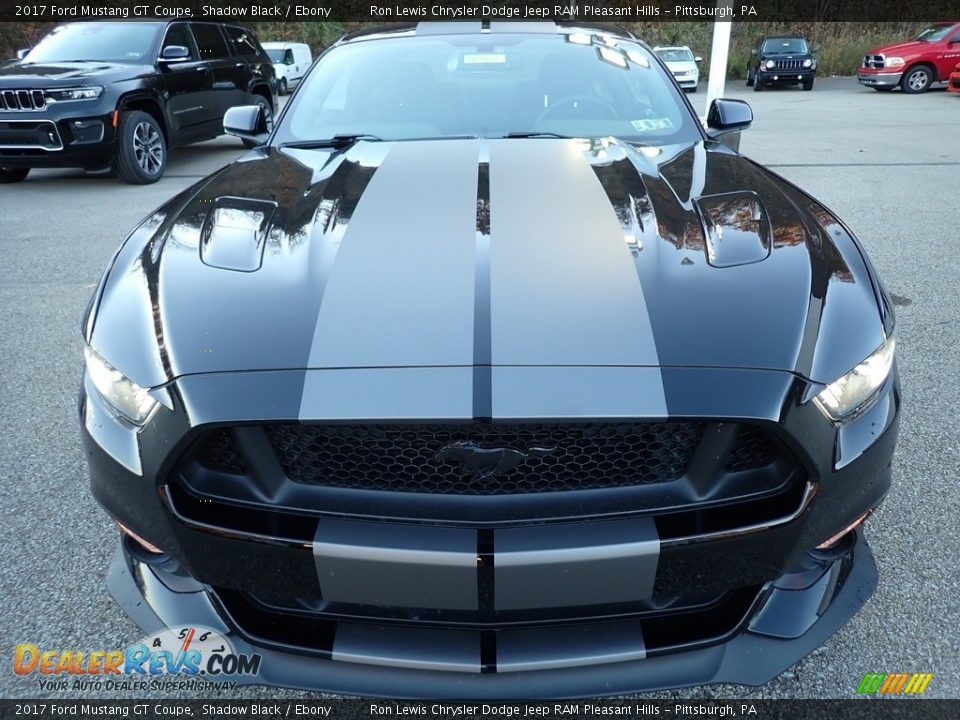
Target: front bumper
47,140
797,613
890,80
785,77
309,588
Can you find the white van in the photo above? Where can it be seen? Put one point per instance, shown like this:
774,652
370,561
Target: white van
290,61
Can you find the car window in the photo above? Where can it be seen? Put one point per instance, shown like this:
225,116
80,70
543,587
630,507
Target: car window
935,33
275,55
288,57
403,88
179,34
675,55
210,41
104,41
241,41
784,46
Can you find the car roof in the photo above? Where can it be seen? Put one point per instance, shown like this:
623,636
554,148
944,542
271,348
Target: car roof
484,28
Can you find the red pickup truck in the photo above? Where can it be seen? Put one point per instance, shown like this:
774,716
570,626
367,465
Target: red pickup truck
915,65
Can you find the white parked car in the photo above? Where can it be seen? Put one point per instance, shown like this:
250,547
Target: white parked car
682,63
290,61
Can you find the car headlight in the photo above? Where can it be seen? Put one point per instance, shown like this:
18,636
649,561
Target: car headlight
81,93
892,62
121,393
769,64
857,389
808,63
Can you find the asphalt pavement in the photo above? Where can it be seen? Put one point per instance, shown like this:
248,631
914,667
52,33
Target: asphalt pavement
888,163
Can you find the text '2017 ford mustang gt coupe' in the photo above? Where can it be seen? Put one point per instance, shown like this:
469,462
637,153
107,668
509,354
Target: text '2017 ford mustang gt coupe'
491,373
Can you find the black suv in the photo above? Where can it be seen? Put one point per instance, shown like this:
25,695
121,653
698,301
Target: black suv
100,95
781,60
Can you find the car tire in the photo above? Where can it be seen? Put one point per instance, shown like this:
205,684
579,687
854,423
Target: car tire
283,86
808,84
265,106
757,85
749,78
917,80
13,175
141,149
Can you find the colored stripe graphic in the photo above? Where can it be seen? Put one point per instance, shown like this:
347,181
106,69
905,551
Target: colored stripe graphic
894,683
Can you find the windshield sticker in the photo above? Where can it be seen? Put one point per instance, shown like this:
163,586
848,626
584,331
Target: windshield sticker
484,59
652,124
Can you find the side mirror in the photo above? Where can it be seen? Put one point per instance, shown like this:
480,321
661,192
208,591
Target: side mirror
753,52
175,53
954,40
247,122
698,59
814,50
728,116
21,54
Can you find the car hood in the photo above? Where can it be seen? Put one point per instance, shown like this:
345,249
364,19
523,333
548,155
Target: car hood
681,65
909,47
519,252
66,74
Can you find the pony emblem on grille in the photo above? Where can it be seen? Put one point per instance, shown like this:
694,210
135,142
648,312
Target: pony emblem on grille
486,462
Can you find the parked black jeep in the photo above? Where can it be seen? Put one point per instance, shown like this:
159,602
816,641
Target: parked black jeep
117,95
781,60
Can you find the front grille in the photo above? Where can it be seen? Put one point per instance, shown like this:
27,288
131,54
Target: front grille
789,64
16,100
515,458
873,61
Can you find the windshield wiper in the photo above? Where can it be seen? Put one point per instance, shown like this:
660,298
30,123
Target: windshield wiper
535,134
341,140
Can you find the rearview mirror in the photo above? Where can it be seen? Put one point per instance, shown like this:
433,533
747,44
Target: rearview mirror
728,116
21,54
698,59
175,53
954,40
246,122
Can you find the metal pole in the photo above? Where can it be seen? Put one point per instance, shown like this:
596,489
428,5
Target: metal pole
719,53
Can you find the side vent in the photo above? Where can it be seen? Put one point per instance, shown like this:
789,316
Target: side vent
234,233
737,228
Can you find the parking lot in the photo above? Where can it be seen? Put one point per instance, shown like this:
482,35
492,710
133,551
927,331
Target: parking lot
886,163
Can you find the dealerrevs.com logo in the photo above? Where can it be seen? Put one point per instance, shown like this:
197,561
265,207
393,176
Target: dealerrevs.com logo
185,651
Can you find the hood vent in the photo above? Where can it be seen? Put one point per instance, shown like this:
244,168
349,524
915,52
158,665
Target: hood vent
737,228
234,233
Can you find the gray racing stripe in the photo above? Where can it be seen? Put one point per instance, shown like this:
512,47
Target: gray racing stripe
401,292
564,290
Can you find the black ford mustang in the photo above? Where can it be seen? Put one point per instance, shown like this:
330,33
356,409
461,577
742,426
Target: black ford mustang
492,373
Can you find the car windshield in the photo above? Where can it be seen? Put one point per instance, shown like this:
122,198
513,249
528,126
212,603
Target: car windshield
784,46
675,54
935,33
276,54
98,41
576,85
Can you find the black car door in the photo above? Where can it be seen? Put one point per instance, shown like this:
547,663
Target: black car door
191,105
229,72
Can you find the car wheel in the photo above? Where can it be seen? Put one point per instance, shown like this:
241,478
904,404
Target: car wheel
749,78
808,84
12,175
917,80
757,84
283,86
141,149
268,113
